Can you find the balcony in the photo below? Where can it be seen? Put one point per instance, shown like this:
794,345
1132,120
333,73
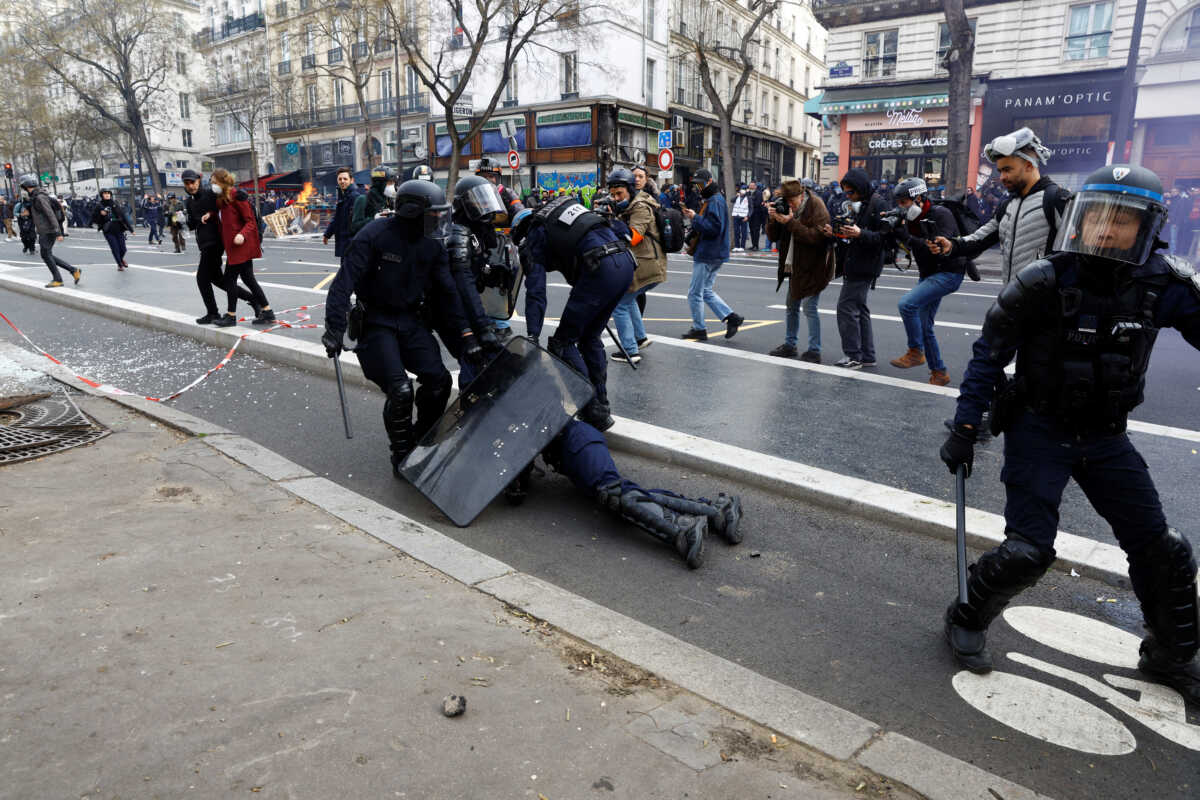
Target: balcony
285,67
308,62
231,88
840,13
335,55
227,30
383,45
351,114
360,50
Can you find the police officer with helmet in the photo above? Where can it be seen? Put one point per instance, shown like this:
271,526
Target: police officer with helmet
1081,324
396,265
592,253
378,198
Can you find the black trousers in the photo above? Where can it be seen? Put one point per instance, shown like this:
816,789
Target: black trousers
46,246
245,271
208,275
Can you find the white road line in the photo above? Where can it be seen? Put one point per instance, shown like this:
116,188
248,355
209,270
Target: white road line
314,264
651,294
886,318
268,284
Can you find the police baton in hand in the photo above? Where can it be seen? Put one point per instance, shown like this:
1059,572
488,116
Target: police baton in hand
337,368
620,346
960,492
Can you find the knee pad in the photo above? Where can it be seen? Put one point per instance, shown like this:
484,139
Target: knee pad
1015,565
400,392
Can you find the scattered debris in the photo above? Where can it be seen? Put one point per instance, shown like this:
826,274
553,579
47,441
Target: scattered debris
1074,574
755,554
223,644
454,705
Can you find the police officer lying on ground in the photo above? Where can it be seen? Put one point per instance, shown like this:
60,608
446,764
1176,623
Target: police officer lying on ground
592,253
581,454
1081,324
395,266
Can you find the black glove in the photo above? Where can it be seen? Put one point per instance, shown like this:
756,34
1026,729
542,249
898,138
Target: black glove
332,342
489,342
959,449
472,352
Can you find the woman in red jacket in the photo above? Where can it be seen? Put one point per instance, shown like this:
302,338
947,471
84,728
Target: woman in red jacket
239,232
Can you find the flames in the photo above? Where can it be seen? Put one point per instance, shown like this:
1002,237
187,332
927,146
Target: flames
305,193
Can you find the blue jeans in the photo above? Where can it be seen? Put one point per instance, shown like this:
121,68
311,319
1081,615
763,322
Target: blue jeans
704,277
628,319
918,308
741,229
792,321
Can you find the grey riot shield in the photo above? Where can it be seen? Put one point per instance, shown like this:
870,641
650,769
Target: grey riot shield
502,287
494,428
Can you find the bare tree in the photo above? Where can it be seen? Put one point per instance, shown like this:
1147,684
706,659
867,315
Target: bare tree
114,57
246,98
716,43
958,62
504,28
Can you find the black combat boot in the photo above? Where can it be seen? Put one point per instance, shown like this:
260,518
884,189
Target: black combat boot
724,514
685,532
598,414
996,578
1163,574
397,421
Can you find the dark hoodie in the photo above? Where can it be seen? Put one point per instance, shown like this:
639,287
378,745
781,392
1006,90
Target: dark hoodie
861,259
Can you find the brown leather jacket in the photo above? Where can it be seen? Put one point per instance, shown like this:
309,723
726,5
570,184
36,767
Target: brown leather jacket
813,268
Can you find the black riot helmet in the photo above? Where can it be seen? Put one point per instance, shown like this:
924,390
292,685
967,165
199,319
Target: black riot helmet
1116,215
911,189
621,177
477,198
29,181
381,176
416,198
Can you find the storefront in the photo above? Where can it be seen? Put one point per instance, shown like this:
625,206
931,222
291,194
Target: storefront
1072,114
896,131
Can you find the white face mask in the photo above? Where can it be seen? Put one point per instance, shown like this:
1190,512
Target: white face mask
216,188
390,191
856,206
913,212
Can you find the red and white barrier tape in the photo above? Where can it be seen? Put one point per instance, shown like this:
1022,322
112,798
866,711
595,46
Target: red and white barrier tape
229,355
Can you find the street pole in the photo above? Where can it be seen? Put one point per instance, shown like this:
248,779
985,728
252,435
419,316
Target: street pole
1123,129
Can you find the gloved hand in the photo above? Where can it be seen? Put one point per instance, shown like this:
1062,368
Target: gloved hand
490,343
472,352
332,342
959,449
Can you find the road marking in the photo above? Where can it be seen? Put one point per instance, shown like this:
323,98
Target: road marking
314,264
650,294
725,275
886,318
321,284
1076,635
268,284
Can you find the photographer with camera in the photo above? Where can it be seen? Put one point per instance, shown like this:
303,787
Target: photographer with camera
858,229
797,219
917,222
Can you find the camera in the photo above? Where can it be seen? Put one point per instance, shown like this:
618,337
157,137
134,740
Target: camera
894,218
929,229
781,206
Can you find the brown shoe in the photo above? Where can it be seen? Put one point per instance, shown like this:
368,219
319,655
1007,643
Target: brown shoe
938,377
913,358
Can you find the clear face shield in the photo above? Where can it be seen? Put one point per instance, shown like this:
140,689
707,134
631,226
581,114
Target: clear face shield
437,221
1118,227
482,202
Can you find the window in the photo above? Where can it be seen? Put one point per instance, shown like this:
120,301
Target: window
650,19
385,84
1184,35
185,106
180,63
792,73
411,81
284,53
879,54
310,38
944,42
510,88
569,73
650,67
808,81
1089,28
187,137
339,92
1083,128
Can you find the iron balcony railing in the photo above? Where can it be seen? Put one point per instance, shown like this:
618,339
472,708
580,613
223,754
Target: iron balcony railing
349,114
230,88
228,29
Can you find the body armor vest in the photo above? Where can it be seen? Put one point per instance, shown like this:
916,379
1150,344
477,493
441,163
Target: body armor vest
1088,369
566,223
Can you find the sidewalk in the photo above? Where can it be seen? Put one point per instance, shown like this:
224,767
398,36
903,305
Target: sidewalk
176,623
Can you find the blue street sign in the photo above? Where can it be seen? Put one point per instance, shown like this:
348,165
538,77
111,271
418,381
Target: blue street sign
841,70
292,148
664,140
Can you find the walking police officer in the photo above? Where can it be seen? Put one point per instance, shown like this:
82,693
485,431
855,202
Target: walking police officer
593,255
395,266
1082,324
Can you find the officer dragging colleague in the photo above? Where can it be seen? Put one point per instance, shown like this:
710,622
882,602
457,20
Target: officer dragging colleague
1082,324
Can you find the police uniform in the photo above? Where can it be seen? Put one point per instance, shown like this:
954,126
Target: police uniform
394,272
1082,327
581,454
593,255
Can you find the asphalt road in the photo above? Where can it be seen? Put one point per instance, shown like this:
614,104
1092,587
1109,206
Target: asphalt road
834,606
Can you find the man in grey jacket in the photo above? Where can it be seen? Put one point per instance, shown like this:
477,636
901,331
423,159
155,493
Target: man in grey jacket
1025,224
49,230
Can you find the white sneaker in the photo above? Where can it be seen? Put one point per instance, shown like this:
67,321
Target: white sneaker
617,355
846,362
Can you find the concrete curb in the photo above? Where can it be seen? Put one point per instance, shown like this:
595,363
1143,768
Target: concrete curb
918,513
827,728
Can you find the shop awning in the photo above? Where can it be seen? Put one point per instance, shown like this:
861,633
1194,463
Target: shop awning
290,181
263,180
874,99
812,106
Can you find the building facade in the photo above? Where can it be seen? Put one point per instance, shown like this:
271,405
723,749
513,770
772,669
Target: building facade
1057,66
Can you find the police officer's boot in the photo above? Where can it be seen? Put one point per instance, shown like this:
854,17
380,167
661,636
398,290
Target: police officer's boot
1163,574
397,421
639,507
597,414
724,514
516,491
996,578
431,401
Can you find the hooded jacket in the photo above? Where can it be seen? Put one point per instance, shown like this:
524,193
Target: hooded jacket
862,258
713,227
649,252
41,208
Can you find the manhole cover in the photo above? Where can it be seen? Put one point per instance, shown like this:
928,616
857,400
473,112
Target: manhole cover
47,425
12,439
56,411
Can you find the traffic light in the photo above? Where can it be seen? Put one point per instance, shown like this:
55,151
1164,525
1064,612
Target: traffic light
8,173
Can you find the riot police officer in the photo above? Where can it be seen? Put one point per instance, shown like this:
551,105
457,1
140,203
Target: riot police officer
593,255
1082,324
378,198
395,266
510,207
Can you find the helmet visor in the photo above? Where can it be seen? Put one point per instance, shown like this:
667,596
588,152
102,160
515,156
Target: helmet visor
1119,227
437,222
482,202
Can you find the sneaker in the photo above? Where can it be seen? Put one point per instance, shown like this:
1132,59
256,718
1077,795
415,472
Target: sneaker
696,334
783,351
732,323
868,362
644,343
76,274
939,377
811,356
914,357
265,317
846,362
54,284
226,321
208,319
617,355
728,522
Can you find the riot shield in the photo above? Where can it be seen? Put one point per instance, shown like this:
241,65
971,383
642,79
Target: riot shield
501,301
494,428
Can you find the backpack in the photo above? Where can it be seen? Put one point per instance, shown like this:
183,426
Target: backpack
58,210
968,221
670,228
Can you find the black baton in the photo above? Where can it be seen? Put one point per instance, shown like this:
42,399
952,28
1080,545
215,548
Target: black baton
620,346
337,368
960,491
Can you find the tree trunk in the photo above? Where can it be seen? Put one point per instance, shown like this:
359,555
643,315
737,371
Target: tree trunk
727,164
253,170
959,61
